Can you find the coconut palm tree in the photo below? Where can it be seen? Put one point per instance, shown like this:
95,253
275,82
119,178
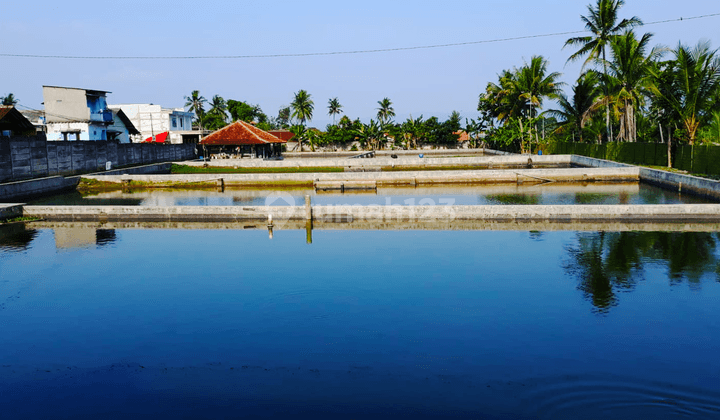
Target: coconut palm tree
218,106
577,111
602,22
195,103
386,111
630,69
9,100
302,107
697,76
533,85
334,108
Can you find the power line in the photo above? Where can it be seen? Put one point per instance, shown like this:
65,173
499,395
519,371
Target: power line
315,54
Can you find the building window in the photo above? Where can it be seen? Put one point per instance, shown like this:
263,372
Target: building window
174,122
181,122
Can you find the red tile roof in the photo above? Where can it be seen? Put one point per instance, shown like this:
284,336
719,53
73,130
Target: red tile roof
282,134
240,133
464,136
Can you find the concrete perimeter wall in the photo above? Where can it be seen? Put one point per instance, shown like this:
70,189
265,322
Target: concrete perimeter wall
410,161
33,157
703,187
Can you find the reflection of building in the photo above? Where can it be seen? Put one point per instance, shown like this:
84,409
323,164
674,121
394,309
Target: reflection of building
66,238
173,125
76,114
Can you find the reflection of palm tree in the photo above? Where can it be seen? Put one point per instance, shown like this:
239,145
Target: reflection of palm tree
606,263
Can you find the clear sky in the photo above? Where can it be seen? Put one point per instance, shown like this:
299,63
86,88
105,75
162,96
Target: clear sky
424,81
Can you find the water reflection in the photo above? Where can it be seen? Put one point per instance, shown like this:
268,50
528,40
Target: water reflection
16,237
608,263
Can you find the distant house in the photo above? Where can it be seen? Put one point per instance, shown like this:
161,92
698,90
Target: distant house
240,138
122,129
173,125
76,114
13,123
36,117
286,135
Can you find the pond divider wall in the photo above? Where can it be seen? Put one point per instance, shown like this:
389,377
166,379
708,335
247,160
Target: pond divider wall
413,178
389,214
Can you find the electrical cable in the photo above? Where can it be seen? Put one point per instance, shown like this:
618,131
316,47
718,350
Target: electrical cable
315,54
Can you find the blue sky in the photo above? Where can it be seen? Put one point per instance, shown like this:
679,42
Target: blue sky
426,81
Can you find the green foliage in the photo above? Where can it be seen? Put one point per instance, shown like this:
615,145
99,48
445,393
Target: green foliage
302,107
9,100
242,111
334,108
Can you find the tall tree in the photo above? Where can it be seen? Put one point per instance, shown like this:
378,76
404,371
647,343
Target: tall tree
697,76
602,22
386,111
218,107
9,100
195,103
242,111
334,108
302,107
577,111
630,69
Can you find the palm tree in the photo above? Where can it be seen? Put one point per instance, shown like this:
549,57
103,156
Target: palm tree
386,111
334,108
697,75
195,103
9,100
533,85
218,107
302,107
602,22
630,71
577,111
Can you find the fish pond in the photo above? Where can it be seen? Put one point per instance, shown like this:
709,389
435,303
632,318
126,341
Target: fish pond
162,323
550,193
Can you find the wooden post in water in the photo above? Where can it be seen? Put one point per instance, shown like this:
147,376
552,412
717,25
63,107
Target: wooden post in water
308,232
308,208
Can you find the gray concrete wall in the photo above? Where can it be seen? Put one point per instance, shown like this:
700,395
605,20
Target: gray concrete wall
703,187
389,214
19,189
34,157
384,161
10,210
630,174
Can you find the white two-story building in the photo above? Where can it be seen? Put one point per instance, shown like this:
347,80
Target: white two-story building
157,123
76,114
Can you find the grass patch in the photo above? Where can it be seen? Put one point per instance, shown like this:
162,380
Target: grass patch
89,185
187,169
20,219
680,171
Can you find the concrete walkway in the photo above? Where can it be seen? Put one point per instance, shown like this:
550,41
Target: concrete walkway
389,214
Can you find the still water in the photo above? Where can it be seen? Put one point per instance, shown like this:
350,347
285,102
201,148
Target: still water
553,193
359,324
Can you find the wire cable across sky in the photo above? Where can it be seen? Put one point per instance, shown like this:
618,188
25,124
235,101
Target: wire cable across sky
314,54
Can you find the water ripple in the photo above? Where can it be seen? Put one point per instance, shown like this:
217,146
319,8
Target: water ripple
619,398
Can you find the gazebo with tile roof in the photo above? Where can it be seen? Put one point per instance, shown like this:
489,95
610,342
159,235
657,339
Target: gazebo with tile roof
240,138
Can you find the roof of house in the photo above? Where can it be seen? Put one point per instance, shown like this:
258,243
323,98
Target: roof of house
464,136
90,91
125,120
282,134
240,133
14,120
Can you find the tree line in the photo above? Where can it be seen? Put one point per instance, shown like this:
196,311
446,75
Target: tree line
377,134
628,91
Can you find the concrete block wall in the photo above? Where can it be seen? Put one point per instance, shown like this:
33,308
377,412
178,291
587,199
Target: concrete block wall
33,157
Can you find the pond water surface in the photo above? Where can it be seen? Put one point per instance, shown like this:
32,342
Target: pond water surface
553,193
360,324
